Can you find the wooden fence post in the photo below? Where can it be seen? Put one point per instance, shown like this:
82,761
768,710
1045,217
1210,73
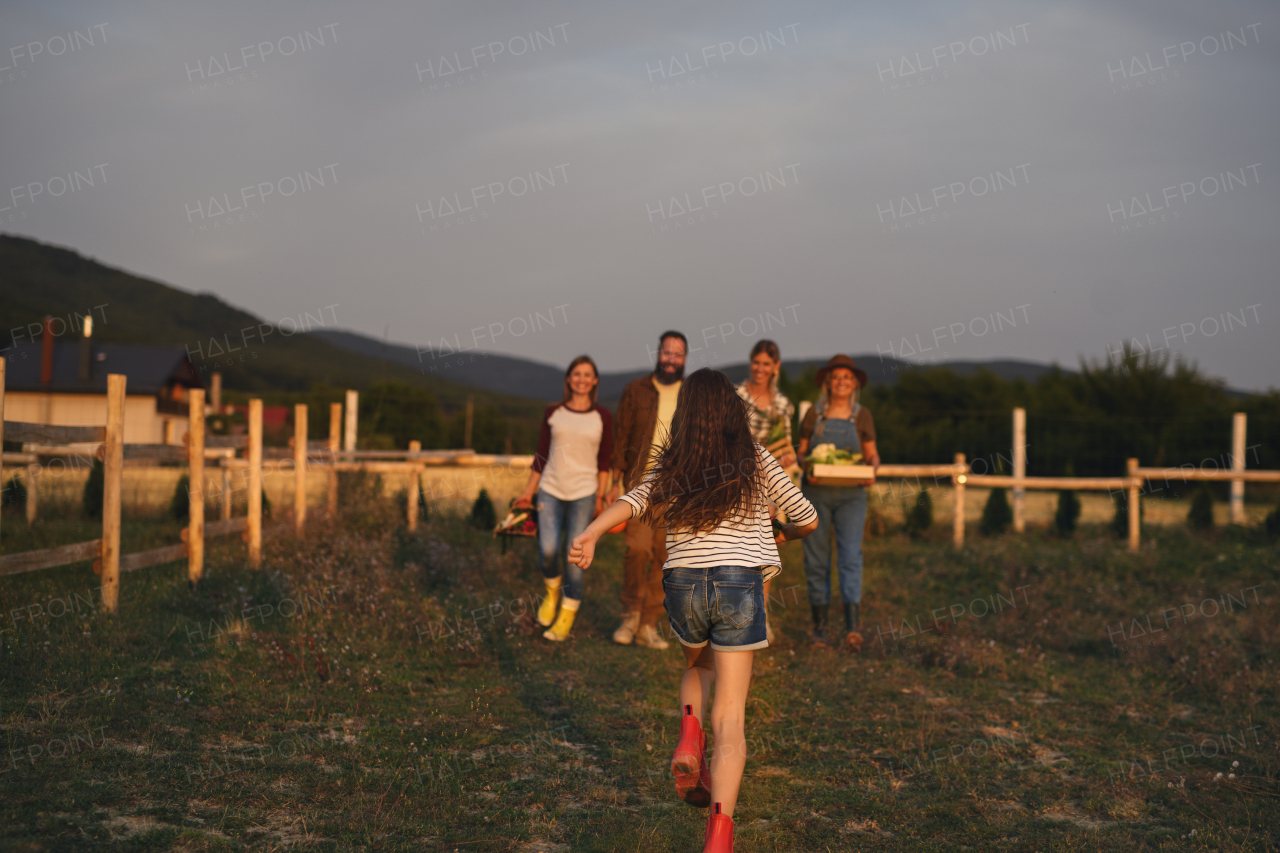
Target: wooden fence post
253,477
195,488
3,362
353,413
113,468
224,509
33,494
215,392
335,436
1238,425
1135,511
414,447
957,484
1019,468
300,470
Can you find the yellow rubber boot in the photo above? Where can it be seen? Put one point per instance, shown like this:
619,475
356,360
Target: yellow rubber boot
547,609
559,632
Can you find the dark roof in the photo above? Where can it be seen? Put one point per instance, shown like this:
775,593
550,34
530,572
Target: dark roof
150,368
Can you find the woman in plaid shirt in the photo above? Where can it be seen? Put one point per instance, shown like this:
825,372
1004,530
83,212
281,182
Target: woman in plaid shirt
766,408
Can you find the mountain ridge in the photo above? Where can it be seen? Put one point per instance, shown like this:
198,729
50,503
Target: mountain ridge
505,373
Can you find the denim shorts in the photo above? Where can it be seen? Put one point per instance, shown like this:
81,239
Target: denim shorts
723,606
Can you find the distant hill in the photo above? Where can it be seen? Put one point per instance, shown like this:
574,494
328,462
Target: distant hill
38,280
512,375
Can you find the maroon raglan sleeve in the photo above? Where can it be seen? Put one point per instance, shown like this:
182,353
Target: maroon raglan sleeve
544,440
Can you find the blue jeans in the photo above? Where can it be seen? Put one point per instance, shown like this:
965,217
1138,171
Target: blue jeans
842,510
723,606
560,521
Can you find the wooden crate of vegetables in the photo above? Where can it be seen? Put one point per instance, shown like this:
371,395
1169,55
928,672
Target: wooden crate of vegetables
832,467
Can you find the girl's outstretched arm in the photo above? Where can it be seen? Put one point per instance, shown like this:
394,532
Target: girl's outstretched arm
583,547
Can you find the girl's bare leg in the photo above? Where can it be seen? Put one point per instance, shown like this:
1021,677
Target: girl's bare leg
733,678
695,684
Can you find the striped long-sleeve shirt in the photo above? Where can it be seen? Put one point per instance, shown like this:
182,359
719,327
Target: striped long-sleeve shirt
741,540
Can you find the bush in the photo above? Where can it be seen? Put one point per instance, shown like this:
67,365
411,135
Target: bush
1272,523
1120,521
15,494
996,515
920,516
1200,516
180,504
874,526
483,515
94,487
361,504
1064,520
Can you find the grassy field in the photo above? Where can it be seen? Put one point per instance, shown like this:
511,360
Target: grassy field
379,691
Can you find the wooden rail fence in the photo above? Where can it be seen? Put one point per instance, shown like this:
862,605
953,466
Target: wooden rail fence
201,451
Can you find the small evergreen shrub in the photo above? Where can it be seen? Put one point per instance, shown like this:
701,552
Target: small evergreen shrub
94,488
15,494
483,515
1272,523
874,526
1064,520
1120,521
180,504
920,516
996,515
1200,516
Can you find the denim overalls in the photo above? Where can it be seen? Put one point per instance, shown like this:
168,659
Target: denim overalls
842,509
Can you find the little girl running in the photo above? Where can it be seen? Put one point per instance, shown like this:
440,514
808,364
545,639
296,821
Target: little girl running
710,487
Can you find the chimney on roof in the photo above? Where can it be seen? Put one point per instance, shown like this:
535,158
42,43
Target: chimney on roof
85,372
46,353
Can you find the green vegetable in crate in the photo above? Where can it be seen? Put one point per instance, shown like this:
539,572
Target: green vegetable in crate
827,454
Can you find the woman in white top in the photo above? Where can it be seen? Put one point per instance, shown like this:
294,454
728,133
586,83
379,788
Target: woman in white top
569,476
710,486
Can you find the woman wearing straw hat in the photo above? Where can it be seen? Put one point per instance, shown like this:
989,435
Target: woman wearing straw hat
842,510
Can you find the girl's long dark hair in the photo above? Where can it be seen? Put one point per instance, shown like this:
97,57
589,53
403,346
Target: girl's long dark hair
706,470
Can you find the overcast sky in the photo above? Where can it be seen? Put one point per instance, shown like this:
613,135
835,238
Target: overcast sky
978,180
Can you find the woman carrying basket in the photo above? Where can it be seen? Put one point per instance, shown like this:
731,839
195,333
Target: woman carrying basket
839,420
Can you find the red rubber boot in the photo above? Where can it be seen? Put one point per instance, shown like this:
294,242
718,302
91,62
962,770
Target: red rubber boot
719,833
689,764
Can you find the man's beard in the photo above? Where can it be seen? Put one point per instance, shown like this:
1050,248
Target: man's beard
668,378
